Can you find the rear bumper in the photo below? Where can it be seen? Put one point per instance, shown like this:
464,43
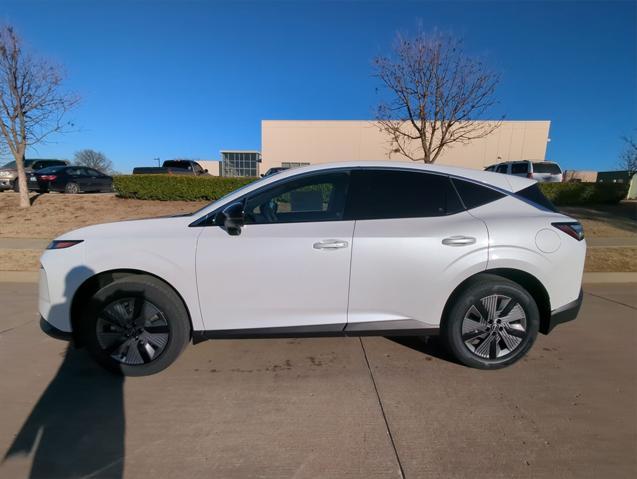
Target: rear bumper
54,332
566,313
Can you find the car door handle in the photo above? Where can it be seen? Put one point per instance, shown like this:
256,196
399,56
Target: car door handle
459,240
330,244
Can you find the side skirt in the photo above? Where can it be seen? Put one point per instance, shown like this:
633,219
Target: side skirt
380,328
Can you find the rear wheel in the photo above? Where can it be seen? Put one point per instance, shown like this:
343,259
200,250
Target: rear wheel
136,326
492,323
72,188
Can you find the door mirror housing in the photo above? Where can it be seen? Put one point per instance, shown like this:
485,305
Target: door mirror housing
231,218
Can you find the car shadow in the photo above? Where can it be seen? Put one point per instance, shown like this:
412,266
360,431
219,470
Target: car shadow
34,198
429,345
77,427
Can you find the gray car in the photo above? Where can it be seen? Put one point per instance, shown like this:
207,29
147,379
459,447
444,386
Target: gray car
9,172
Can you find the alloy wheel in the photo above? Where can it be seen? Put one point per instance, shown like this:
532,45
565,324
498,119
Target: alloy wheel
132,331
494,326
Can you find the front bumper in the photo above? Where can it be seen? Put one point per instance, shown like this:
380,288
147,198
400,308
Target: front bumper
566,313
54,332
6,184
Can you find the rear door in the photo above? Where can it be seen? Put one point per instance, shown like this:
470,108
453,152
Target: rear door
544,171
413,242
80,176
100,182
520,168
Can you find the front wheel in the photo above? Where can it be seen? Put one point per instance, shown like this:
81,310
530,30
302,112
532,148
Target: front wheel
135,326
492,323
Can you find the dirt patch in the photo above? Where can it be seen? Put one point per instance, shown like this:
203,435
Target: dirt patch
53,214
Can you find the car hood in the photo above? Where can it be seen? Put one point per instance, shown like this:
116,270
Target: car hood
130,229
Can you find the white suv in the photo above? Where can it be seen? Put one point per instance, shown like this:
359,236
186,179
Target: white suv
541,171
361,248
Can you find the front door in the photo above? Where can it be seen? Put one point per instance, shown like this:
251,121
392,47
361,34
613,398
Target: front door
289,267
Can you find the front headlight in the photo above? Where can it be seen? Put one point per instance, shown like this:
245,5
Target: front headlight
5,173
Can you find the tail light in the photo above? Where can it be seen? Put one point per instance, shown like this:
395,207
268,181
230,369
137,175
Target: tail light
529,176
48,177
61,244
573,229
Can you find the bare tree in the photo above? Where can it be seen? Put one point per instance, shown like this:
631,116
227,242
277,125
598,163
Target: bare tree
628,158
439,94
32,105
94,159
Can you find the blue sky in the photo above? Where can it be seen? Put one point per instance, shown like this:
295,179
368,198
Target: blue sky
190,78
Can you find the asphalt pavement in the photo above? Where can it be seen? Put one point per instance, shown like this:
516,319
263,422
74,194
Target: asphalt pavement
329,407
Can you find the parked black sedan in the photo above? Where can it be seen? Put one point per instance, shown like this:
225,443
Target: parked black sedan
69,179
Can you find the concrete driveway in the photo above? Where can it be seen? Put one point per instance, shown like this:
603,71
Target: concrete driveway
339,408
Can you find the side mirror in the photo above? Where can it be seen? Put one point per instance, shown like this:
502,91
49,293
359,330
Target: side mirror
232,218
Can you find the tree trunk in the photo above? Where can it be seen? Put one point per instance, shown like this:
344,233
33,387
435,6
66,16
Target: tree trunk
22,179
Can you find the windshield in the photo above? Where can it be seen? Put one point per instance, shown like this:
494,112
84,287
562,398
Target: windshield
177,164
12,166
544,167
256,182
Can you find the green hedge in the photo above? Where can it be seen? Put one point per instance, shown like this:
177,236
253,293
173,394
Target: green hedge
176,187
210,188
575,194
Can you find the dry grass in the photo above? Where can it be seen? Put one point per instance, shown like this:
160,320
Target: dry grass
606,221
53,214
19,259
608,260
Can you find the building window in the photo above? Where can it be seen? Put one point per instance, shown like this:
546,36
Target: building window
240,163
293,164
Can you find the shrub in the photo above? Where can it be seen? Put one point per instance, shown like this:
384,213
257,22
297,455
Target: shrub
574,194
176,187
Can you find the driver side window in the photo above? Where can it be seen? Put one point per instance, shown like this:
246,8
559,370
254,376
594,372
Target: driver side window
311,198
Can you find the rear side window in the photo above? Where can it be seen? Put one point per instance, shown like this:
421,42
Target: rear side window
501,169
51,169
474,195
534,194
543,167
385,194
519,168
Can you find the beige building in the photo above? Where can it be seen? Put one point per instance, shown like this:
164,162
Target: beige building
294,143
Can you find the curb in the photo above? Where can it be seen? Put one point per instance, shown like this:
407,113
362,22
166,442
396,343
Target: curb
589,278
596,278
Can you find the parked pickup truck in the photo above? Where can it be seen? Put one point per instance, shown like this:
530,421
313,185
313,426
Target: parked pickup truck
172,167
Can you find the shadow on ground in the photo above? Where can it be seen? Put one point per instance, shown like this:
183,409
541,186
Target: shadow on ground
77,427
429,345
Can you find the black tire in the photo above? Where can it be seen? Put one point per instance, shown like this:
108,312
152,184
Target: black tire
72,188
480,336
16,186
165,334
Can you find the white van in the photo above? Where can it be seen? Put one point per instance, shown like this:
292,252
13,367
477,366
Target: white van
542,171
